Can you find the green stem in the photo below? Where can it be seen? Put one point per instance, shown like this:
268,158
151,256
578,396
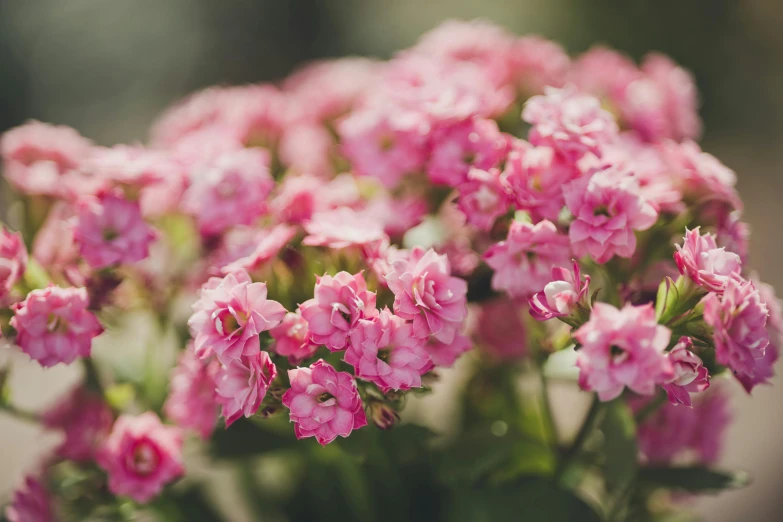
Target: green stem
546,406
581,437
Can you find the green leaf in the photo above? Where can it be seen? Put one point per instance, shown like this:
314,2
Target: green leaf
194,507
246,438
666,300
693,479
619,431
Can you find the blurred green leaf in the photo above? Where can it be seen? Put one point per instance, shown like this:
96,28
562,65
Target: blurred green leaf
245,438
620,447
693,479
192,506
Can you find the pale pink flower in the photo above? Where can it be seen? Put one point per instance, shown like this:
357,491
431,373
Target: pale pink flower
13,260
764,369
734,234
300,196
523,261
141,456
561,295
537,63
192,402
308,148
247,248
385,351
30,503
292,338
446,354
54,326
201,110
707,265
739,320
338,304
426,293
111,231
230,315
604,73
241,385
85,420
341,228
396,215
500,330
54,246
607,209
622,348
324,403
690,375
482,198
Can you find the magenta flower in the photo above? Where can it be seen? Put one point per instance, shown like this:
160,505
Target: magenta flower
446,354
561,295
141,456
324,403
500,330
384,351
230,315
84,418
341,228
13,260
111,231
523,261
707,265
475,143
622,348
192,402
764,368
690,375
242,385
739,320
426,293
607,209
53,325
292,338
30,503
482,198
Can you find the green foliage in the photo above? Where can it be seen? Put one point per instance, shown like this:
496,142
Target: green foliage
619,448
692,479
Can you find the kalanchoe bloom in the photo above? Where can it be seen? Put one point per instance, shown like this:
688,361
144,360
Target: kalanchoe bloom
396,215
690,375
242,385
571,122
54,246
85,420
248,248
13,260
482,198
739,320
308,148
324,403
607,209
622,348
54,326
385,351
523,261
192,402
292,338
561,295
230,315
338,304
707,265
500,330
446,354
764,369
30,503
341,228
734,235
426,293
111,231
537,63
141,456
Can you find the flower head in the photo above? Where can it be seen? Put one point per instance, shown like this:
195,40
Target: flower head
482,198
13,260
764,368
292,338
475,143
446,354
192,402
242,385
707,265
690,375
341,228
561,295
84,418
30,503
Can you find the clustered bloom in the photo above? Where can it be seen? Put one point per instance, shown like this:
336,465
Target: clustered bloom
13,260
242,385
192,401
292,338
30,503
690,375
561,295
707,265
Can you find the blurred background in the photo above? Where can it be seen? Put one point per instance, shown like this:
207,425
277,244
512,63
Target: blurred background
108,68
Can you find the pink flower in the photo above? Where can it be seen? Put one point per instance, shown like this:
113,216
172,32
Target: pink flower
30,503
734,234
690,375
13,260
54,326
292,338
192,402
230,315
385,351
446,354
561,295
500,330
607,209
54,246
537,63
299,197
426,293
341,228
338,304
324,403
622,348
604,73
141,456
764,368
524,260
231,190
111,231
396,215
242,385
247,249
572,123
482,198
308,148
85,420
739,320
707,265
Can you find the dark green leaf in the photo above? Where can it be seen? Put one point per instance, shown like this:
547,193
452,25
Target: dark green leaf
193,506
245,438
620,448
693,479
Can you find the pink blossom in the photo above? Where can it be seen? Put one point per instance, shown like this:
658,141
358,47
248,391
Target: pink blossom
690,375
231,190
764,368
622,348
230,315
500,330
524,260
707,265
426,293
111,231
482,198
324,403
242,385
192,402
301,196
292,338
54,326
247,248
396,215
308,148
571,122
141,456
561,295
385,351
739,320
607,209
734,234
537,63
84,418
201,110
341,228
446,354
604,73
30,503
54,246
13,260
338,304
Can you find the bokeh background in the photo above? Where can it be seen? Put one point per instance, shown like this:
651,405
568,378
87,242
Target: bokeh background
108,68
